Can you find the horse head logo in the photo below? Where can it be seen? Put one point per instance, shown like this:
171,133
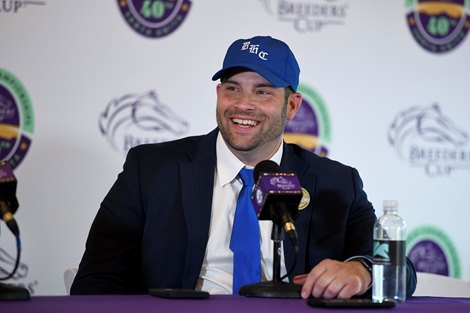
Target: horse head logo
428,124
140,118
425,136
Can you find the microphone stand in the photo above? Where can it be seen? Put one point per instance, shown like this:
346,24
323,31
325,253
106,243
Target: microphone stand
10,291
8,206
274,288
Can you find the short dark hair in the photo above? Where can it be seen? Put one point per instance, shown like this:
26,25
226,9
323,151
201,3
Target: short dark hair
287,92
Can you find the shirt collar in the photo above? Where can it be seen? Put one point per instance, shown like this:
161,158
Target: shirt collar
228,165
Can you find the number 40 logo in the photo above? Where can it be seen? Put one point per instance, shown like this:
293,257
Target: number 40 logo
438,26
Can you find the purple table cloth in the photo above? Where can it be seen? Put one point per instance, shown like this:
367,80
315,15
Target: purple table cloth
215,304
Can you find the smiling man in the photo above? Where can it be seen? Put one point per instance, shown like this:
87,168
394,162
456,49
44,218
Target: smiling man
252,114
168,221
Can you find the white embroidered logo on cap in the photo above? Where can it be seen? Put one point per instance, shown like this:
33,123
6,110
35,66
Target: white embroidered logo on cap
263,55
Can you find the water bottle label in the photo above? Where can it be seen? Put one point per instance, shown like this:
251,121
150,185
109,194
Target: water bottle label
389,252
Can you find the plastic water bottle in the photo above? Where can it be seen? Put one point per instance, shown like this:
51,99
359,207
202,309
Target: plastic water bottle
389,268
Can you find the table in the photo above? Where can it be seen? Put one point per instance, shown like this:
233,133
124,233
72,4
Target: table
215,304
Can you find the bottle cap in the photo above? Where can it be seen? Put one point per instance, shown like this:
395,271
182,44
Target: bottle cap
390,204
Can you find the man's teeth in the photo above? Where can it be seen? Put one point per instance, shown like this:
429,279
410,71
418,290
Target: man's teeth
244,122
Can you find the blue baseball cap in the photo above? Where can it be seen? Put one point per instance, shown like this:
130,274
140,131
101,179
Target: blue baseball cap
269,57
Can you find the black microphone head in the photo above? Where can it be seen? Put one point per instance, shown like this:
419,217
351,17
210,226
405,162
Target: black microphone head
273,187
266,166
8,186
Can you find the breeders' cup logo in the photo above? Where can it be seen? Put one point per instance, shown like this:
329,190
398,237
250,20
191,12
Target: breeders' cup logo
14,6
438,25
425,137
16,119
154,18
311,127
140,118
308,16
281,183
432,251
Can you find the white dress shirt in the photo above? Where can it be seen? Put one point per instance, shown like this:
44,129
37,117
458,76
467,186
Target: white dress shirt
216,275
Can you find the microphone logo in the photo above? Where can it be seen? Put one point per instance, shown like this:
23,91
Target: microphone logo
6,174
259,196
282,183
272,188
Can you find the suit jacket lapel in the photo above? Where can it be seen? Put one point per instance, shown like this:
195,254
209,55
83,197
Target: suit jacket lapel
307,177
197,181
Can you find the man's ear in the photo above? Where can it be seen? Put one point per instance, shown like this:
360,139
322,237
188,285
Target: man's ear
293,105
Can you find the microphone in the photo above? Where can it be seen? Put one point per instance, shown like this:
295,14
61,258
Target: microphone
8,206
276,196
8,201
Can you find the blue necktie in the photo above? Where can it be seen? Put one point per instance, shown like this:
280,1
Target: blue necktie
245,237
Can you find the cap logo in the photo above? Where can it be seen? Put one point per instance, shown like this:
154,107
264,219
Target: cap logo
263,55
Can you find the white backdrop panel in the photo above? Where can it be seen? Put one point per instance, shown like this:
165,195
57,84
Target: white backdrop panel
75,57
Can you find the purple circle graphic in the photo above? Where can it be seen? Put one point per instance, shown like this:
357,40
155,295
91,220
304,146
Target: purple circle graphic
439,25
9,122
428,257
304,122
154,18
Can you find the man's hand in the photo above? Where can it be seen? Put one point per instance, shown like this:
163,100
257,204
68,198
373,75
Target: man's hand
335,279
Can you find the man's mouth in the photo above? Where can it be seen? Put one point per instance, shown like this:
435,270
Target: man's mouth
244,123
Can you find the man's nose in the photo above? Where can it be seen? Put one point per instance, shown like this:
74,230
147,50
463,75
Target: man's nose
247,101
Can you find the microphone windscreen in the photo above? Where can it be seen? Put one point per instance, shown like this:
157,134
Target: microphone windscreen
266,166
274,187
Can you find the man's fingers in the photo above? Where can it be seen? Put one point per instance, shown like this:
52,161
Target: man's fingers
334,279
311,281
299,279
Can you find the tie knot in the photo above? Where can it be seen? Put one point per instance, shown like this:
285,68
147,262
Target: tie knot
246,175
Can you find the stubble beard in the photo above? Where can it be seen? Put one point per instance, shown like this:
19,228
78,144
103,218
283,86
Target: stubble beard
265,138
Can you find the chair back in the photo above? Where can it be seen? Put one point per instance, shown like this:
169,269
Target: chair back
441,286
69,276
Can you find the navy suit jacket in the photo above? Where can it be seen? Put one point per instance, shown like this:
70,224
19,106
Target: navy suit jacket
152,227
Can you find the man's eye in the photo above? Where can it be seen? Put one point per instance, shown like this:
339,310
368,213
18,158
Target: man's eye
230,88
263,92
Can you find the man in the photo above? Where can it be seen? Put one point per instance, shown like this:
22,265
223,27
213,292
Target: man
167,221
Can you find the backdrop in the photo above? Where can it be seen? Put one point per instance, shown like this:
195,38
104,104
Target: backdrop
384,86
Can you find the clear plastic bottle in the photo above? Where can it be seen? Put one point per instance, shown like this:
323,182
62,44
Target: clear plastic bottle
389,268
